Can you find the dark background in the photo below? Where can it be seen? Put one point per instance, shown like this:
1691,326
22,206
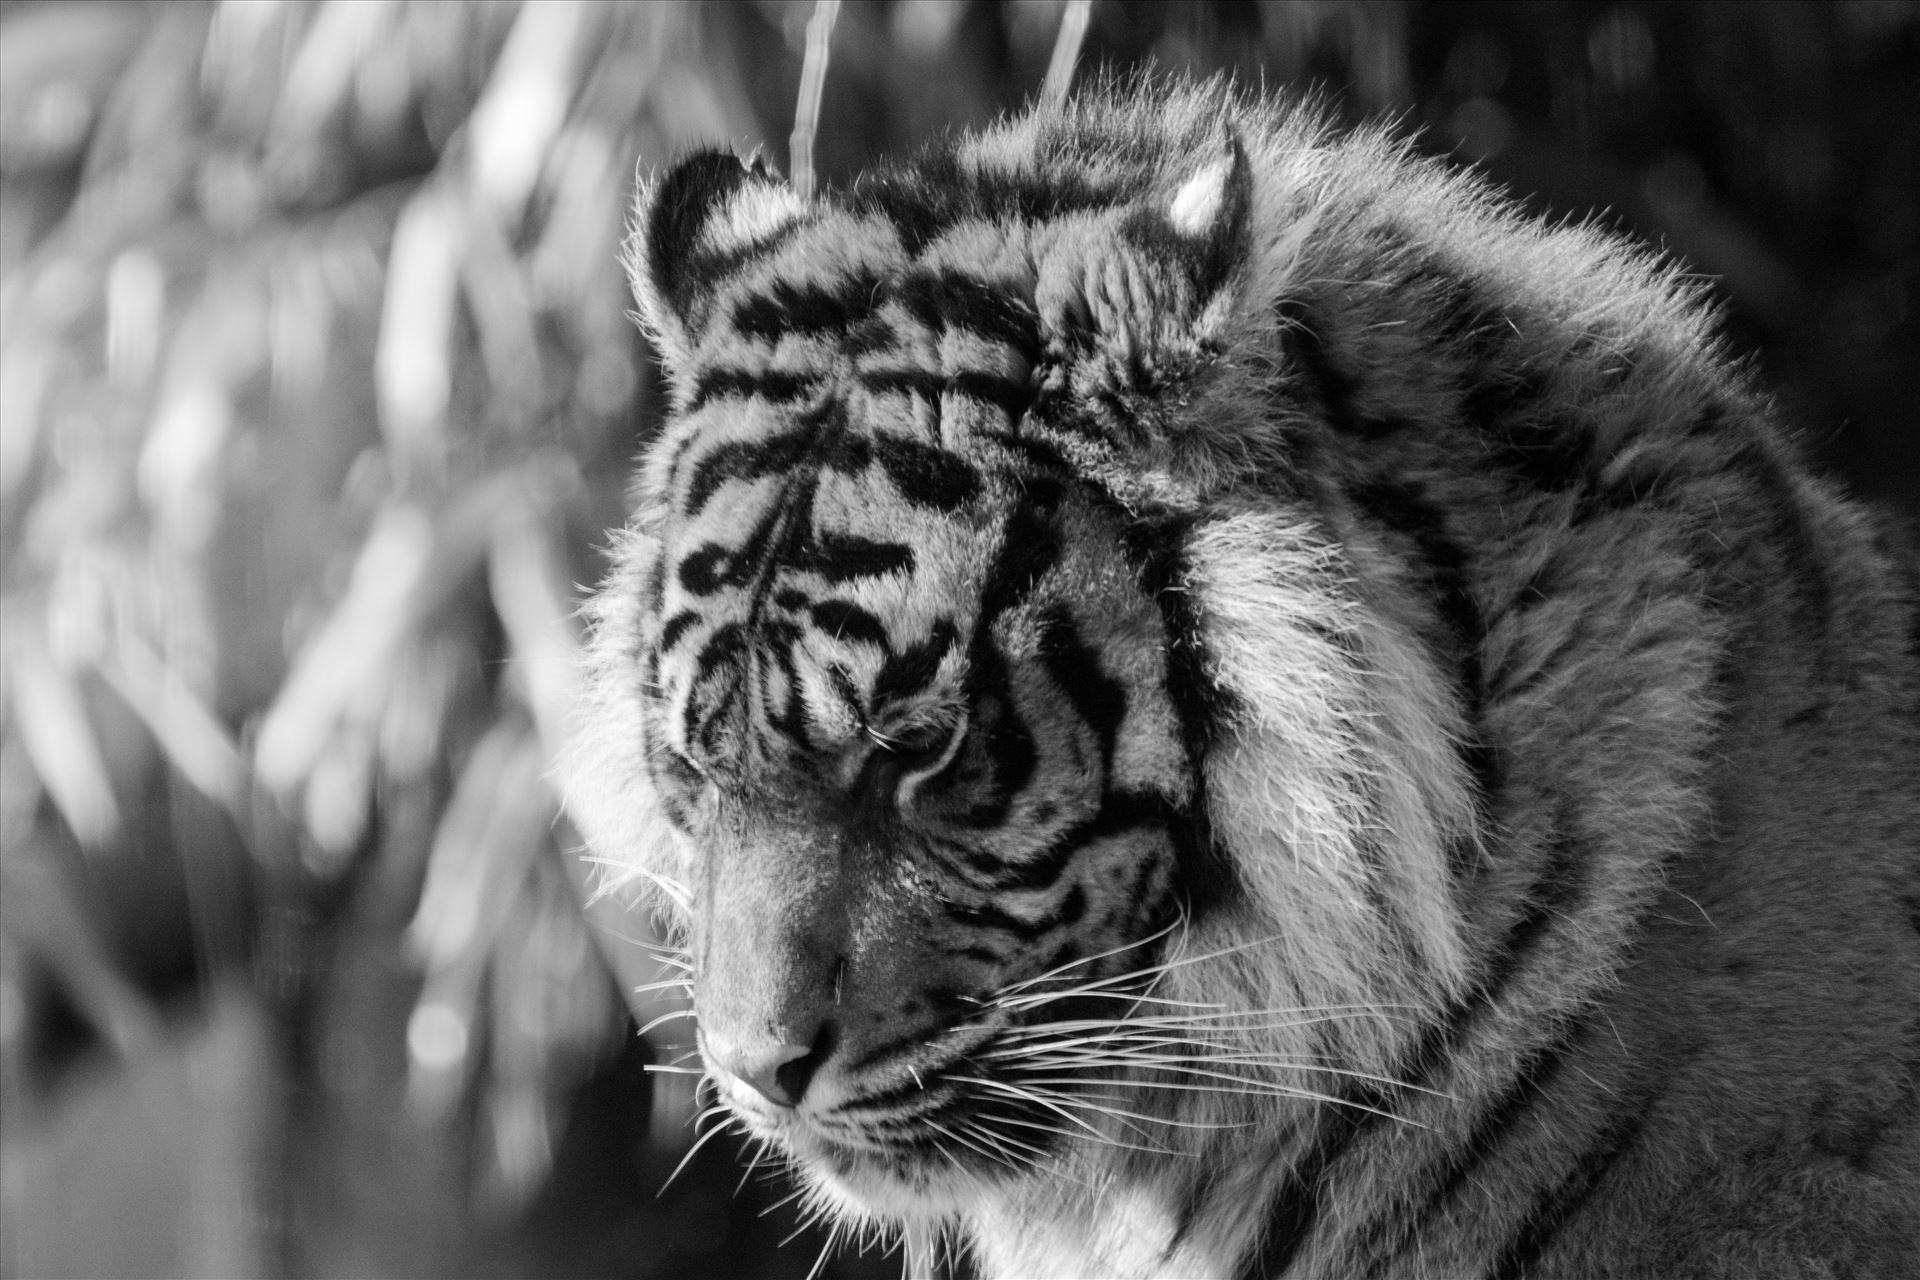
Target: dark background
316,391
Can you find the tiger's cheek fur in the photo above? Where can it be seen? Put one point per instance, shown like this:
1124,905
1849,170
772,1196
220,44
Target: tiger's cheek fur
1342,759
606,771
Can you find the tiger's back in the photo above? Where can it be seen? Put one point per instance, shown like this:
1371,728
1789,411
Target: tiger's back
1216,703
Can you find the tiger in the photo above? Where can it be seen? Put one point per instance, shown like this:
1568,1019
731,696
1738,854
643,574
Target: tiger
1201,695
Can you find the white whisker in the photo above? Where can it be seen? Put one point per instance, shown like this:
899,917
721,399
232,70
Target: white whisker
1085,960
1250,1089
665,1017
698,1143
1097,1104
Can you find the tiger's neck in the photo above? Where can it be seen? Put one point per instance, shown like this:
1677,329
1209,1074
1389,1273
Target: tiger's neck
1120,1230
1196,1219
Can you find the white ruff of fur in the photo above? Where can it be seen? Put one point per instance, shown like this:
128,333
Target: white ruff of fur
602,771
1338,793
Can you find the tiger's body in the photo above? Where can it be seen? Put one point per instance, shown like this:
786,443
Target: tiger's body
1209,701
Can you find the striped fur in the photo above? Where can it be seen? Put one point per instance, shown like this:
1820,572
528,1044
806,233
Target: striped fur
1220,704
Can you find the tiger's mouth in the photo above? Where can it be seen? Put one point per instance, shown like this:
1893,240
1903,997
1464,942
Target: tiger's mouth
934,1134
1010,1086
881,1154
937,1161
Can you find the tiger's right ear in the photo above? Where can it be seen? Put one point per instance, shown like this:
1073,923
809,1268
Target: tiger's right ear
691,224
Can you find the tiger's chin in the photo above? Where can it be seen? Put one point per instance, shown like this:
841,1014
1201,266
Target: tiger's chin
861,1187
904,1184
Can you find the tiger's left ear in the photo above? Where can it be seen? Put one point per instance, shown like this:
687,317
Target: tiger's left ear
1159,291
692,224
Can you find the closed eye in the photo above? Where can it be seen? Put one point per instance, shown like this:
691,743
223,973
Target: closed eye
919,747
904,758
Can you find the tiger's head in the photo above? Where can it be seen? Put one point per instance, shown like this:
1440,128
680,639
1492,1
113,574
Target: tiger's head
1013,792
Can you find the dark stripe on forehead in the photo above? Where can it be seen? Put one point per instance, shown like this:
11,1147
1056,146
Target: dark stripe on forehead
743,460
810,309
842,557
1010,396
947,300
763,384
936,192
927,383
714,566
924,475
844,620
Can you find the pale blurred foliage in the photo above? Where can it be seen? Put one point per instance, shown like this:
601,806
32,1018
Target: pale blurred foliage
301,454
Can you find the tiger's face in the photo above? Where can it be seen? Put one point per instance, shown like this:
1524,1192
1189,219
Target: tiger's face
926,791
914,767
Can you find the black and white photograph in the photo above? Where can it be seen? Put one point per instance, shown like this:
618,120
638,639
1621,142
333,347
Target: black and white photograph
960,639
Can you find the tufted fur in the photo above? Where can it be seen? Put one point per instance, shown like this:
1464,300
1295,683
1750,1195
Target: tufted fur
1159,549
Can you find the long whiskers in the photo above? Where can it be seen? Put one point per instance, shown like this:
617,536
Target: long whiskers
1014,988
723,1120
1223,1020
668,1016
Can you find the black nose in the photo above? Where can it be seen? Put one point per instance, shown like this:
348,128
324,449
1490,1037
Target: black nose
777,1071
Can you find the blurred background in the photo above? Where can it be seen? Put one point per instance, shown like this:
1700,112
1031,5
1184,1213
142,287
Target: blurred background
317,390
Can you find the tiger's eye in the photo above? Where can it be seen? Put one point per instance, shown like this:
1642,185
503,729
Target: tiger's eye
911,754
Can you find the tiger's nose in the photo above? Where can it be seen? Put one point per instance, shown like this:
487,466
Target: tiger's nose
777,1070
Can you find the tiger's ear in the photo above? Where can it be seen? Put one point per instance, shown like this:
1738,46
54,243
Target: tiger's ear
691,224
1204,227
1162,287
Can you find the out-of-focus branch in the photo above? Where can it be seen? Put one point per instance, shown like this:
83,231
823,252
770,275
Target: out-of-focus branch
813,80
